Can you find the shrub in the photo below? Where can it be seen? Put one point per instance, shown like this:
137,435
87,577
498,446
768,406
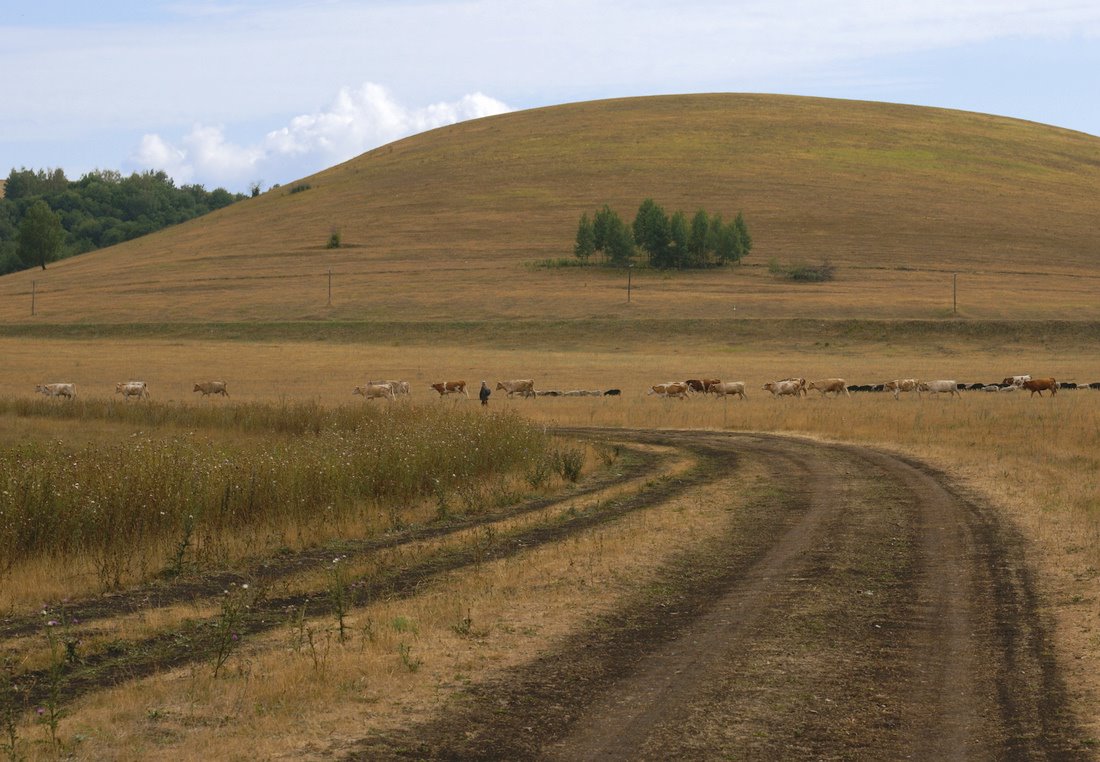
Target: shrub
802,272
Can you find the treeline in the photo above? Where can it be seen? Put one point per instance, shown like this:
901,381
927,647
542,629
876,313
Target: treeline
100,209
668,241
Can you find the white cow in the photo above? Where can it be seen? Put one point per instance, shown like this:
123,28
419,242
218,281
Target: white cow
523,386
936,387
793,387
57,390
727,389
130,389
375,391
211,387
400,388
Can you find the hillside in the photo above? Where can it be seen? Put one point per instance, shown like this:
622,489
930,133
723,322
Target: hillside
442,226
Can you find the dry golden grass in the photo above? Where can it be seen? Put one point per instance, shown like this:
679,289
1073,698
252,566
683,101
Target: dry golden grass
440,231
1036,459
439,226
286,698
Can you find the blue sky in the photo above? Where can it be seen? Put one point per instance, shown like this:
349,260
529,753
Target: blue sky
234,92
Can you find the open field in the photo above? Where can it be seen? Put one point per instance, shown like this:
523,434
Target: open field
1035,460
966,531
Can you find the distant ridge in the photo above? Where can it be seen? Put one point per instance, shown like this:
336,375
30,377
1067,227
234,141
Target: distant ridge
428,220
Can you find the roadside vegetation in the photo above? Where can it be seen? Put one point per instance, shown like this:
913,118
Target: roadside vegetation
194,488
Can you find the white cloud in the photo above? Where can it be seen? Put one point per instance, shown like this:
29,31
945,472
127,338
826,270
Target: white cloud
358,119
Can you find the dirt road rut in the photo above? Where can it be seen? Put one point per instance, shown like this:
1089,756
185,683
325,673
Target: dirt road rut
862,607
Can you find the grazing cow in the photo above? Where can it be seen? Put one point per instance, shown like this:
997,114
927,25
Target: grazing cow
130,389
826,385
548,393
56,390
1040,385
375,391
1095,385
613,392
1067,385
794,387
728,388
211,387
1016,381
524,386
899,385
671,389
701,385
451,387
936,387
400,388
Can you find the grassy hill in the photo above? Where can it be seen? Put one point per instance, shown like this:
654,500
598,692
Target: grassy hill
443,226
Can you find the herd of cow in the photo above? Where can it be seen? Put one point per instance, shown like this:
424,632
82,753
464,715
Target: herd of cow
799,387
792,387
128,389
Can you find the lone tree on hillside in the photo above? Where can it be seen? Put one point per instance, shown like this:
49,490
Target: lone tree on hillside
40,235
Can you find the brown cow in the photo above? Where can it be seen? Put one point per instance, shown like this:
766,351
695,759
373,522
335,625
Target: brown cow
826,385
1039,385
673,389
451,387
701,384
901,385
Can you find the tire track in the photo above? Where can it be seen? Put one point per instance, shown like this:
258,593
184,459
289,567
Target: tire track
870,610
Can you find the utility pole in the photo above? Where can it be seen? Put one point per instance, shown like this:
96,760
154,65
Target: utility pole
330,287
954,293
34,285
629,272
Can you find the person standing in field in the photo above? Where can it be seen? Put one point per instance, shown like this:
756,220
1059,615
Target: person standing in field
483,395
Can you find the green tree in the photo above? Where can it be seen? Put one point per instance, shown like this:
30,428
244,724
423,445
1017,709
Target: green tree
727,244
606,220
653,233
697,245
743,235
620,242
586,239
40,235
678,240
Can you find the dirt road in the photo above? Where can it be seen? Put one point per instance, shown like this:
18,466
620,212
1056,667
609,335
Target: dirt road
860,608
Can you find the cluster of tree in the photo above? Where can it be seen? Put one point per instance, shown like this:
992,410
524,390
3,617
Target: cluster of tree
45,216
669,241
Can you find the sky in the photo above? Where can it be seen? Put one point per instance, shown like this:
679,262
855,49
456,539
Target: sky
243,93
